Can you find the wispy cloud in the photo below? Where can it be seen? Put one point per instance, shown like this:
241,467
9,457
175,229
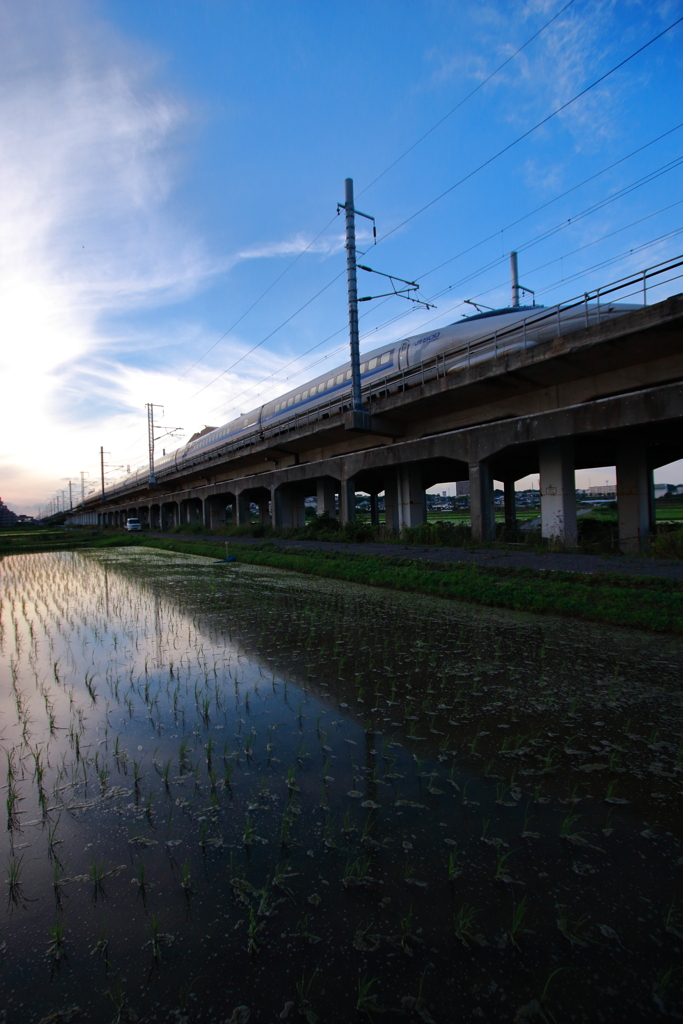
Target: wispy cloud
86,169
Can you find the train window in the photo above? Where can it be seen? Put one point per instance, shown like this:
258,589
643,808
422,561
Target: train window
297,398
363,367
290,402
321,387
386,358
305,394
372,364
330,382
340,378
277,408
348,375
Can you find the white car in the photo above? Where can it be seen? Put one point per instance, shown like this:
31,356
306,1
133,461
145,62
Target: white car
133,524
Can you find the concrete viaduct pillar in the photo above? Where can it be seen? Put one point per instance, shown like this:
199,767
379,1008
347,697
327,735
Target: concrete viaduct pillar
412,499
263,509
510,506
347,499
326,491
634,490
288,507
558,491
482,509
405,500
242,515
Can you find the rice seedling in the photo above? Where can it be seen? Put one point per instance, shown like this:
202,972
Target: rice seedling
303,991
158,939
518,914
56,947
409,934
14,885
464,922
367,1002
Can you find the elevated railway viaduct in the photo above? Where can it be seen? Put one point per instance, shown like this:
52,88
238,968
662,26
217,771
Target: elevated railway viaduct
607,393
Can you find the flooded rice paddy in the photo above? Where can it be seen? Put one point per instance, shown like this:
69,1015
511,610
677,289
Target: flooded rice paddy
233,794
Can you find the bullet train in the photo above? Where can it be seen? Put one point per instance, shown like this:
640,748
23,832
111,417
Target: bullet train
395,366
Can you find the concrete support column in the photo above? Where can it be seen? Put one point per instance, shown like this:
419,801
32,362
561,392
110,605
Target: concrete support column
298,508
275,508
482,509
374,510
347,499
263,510
391,508
326,492
558,491
634,488
242,510
289,509
412,499
510,506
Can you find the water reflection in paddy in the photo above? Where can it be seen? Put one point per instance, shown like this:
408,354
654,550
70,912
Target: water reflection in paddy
230,787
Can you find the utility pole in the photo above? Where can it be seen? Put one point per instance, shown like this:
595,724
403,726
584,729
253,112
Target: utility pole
71,502
102,470
83,476
170,432
352,286
150,407
514,279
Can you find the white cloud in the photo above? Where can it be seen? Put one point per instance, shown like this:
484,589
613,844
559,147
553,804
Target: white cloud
293,247
86,169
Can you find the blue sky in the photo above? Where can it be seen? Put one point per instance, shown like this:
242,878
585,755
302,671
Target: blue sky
166,162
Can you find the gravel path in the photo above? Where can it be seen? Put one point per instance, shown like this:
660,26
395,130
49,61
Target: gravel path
666,568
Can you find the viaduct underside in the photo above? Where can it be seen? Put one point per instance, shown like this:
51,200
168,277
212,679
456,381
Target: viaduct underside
610,394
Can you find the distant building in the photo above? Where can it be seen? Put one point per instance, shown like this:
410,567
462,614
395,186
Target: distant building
664,490
7,517
602,491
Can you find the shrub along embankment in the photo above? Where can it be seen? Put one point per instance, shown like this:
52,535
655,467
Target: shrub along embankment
642,602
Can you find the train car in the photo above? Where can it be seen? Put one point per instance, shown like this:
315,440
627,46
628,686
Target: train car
468,341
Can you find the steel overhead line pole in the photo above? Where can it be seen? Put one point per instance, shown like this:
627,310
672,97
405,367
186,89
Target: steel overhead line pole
150,407
352,285
102,470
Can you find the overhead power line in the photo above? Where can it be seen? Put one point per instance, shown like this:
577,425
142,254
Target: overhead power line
521,246
385,171
471,174
456,185
256,301
466,98
530,131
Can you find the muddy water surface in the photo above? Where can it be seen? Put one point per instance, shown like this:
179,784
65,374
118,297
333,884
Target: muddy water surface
233,793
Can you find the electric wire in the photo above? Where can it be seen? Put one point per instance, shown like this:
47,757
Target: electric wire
465,98
608,262
530,131
382,173
627,189
470,174
256,301
461,181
